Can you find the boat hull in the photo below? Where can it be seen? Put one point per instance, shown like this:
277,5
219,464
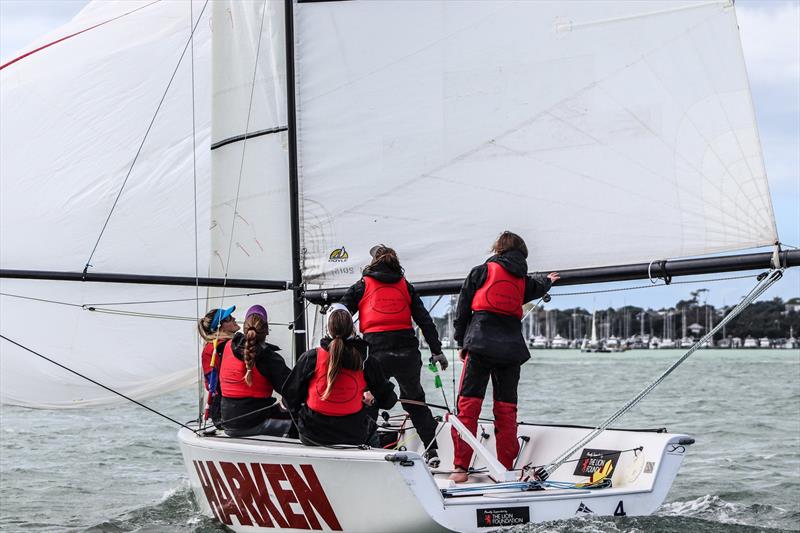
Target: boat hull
265,483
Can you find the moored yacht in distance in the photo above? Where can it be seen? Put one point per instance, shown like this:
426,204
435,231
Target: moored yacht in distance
654,343
667,343
559,342
750,342
538,342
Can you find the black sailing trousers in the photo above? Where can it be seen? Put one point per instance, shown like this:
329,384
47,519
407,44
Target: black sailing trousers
405,365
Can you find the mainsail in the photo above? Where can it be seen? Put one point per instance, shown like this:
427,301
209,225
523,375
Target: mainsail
73,116
604,133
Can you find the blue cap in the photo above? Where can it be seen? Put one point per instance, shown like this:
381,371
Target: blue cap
221,315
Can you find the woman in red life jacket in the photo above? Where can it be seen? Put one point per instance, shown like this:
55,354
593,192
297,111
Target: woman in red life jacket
488,331
325,390
251,369
386,304
219,325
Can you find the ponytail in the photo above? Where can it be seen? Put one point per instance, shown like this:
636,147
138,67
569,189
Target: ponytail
255,332
340,327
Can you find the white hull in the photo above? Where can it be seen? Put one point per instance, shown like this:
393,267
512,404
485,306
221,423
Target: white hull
265,483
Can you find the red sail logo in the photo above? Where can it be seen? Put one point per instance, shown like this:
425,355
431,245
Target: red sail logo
253,493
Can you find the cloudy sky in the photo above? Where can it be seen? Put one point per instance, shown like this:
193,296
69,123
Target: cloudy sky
770,33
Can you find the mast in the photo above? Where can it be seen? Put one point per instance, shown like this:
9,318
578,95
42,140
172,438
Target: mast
299,322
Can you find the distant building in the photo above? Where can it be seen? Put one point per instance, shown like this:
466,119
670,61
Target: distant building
696,329
792,305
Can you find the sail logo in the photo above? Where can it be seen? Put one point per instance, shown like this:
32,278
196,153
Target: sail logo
339,255
266,495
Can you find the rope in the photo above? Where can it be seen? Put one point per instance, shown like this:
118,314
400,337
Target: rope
198,344
173,300
141,145
766,280
138,302
109,389
45,300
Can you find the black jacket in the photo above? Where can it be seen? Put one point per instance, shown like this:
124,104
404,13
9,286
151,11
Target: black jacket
272,366
388,340
325,429
494,336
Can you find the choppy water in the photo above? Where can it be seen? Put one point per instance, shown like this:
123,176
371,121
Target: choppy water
120,469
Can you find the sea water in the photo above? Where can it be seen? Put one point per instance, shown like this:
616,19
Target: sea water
120,469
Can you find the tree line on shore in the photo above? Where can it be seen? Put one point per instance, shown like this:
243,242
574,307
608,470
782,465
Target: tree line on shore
769,318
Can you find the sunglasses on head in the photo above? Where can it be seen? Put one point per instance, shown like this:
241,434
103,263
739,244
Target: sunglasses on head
227,319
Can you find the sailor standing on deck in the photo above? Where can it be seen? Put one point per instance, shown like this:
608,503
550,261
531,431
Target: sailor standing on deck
488,331
386,303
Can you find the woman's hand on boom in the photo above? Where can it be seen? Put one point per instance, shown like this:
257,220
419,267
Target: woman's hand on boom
553,277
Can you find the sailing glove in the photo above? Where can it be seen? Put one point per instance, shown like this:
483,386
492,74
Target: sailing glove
441,359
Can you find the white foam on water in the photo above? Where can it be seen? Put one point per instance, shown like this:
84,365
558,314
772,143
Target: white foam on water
169,493
713,508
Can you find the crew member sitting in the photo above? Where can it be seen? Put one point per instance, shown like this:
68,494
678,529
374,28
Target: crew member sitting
251,370
216,328
325,390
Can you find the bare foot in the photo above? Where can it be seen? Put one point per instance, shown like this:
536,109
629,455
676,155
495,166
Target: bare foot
459,475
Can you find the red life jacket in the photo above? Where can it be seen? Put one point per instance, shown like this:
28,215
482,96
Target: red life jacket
384,306
231,378
501,293
208,350
346,394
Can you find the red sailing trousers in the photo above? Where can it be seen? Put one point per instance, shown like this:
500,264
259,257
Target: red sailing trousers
474,379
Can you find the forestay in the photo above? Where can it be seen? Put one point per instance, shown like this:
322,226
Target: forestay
73,116
604,133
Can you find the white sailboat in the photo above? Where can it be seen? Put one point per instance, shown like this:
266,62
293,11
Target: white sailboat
322,128
559,342
593,344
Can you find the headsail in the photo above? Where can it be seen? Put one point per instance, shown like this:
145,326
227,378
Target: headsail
248,155
73,116
605,133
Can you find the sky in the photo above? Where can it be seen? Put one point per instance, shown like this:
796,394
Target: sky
770,32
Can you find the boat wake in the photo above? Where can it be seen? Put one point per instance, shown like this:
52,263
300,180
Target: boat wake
176,511
706,514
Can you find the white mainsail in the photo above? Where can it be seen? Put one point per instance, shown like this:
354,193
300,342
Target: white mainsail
604,133
73,115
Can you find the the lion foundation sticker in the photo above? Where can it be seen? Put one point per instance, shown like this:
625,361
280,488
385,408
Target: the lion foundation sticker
339,255
592,461
503,516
